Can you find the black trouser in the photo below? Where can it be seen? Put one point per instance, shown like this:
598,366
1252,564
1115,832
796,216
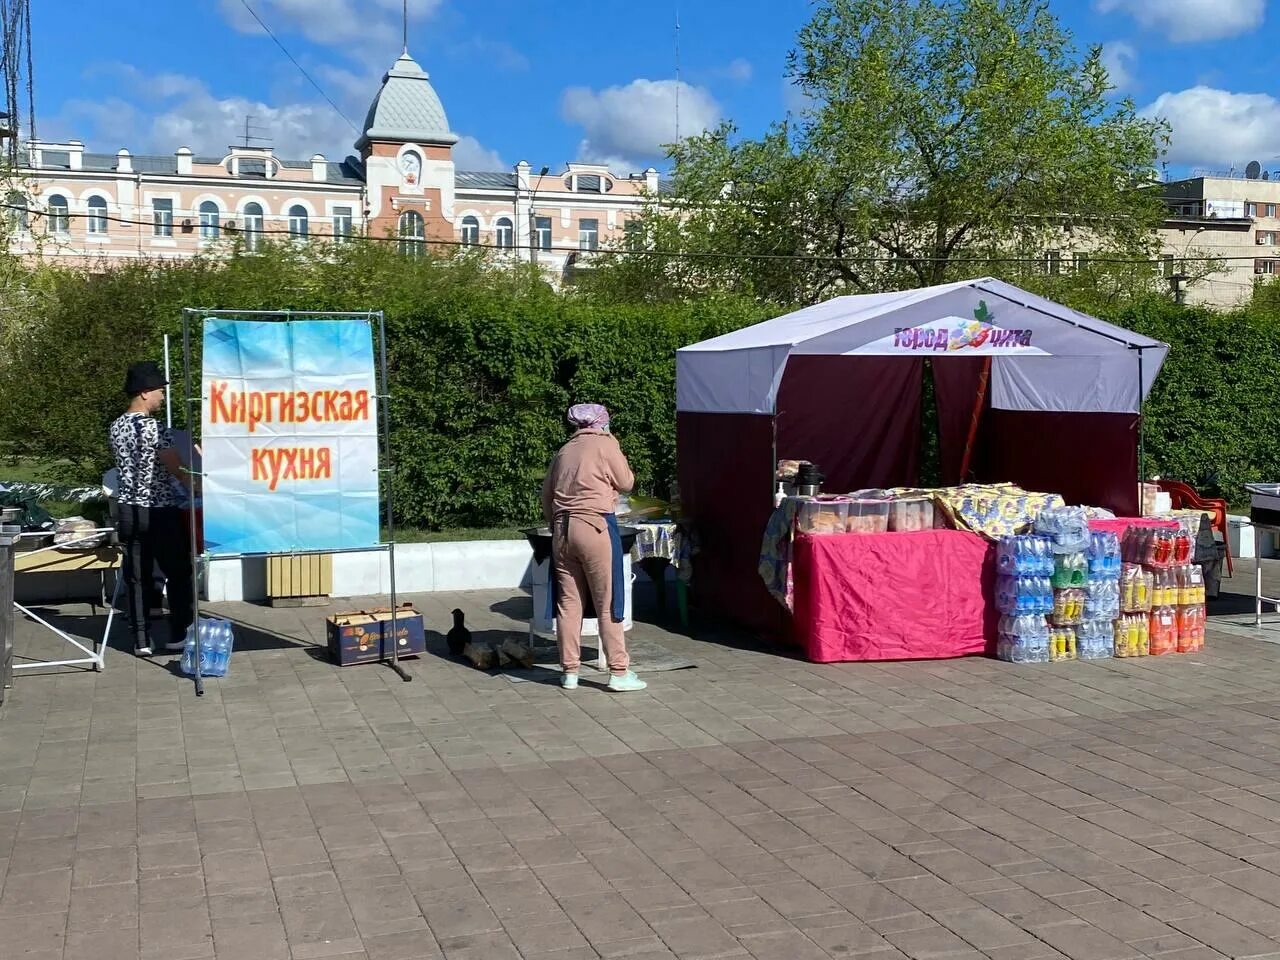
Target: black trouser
151,536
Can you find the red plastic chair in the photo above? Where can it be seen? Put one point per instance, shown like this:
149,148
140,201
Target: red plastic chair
1184,497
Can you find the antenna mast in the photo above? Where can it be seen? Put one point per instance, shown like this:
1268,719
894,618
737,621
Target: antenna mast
405,10
677,73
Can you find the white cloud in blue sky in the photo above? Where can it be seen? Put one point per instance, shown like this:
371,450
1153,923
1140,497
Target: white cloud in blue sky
1190,21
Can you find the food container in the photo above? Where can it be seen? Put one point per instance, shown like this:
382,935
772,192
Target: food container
914,513
823,515
868,516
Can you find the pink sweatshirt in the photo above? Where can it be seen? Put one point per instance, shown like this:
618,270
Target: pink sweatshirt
586,476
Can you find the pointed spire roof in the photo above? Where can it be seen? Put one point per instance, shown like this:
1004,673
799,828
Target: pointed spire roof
406,109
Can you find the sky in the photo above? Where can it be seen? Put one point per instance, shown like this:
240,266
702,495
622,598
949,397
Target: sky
552,83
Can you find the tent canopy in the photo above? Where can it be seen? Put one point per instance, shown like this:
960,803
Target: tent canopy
1044,356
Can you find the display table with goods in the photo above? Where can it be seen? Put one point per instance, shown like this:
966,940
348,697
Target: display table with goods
913,574
901,574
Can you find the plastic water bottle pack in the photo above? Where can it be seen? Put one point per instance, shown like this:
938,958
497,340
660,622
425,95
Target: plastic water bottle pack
1095,639
1070,570
1024,595
1102,599
1025,556
1066,527
1023,639
216,642
1104,554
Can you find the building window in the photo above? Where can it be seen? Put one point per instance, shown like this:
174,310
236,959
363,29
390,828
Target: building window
413,234
588,234
16,212
542,233
590,183
1081,262
470,231
1266,238
504,233
253,222
97,220
1250,209
59,214
1265,267
342,222
1271,210
210,221
162,218
1053,262
298,222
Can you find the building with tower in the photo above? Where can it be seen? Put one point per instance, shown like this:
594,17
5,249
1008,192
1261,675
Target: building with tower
401,185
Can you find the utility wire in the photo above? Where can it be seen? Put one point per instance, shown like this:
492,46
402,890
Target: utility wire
623,251
283,49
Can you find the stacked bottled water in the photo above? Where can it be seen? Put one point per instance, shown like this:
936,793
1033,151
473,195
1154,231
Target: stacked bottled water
216,643
1095,635
1024,594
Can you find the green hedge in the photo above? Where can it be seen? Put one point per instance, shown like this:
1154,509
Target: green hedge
484,362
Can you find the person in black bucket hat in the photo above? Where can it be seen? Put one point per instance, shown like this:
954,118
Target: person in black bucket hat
149,523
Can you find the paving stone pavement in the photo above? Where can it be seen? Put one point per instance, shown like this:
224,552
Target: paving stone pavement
754,807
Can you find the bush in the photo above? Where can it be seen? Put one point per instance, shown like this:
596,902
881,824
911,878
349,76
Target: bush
482,364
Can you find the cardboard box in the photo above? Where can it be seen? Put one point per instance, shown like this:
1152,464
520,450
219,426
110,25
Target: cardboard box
364,636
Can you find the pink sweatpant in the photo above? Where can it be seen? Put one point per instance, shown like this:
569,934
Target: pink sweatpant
583,565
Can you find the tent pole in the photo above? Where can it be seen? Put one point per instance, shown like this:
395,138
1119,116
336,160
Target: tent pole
1142,429
978,402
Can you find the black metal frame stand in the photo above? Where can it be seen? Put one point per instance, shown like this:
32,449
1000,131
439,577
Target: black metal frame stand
384,469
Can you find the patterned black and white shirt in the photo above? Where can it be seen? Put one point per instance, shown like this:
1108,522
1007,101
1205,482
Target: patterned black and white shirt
135,440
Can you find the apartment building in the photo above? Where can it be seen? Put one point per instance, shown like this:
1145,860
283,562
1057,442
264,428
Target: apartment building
401,185
1222,235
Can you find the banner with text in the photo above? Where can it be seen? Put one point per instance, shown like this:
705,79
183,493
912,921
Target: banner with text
290,436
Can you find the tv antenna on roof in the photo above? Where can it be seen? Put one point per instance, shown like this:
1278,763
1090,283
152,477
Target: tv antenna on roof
253,133
1253,170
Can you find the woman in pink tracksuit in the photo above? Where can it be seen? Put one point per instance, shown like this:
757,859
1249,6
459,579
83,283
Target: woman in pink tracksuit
579,496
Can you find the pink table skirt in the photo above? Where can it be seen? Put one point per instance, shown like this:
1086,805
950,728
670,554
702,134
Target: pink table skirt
927,595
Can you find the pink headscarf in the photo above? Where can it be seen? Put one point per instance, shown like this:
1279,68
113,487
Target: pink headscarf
589,416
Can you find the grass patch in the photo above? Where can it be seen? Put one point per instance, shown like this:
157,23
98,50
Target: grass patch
63,473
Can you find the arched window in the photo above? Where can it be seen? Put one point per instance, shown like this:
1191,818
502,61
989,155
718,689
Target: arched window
210,221
253,220
413,233
298,222
470,231
97,215
59,215
504,233
16,212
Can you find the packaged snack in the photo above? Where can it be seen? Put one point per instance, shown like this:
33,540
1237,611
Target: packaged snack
868,516
914,513
823,515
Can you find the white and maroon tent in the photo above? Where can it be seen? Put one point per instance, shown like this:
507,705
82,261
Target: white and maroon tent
1027,391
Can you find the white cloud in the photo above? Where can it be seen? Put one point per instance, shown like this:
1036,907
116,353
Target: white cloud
372,29
470,154
1217,128
1119,58
628,127
168,111
739,70
1186,21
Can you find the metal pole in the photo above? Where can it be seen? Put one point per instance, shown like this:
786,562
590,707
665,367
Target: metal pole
384,395
168,390
1142,450
191,459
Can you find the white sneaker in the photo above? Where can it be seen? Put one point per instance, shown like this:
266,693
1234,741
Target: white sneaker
626,682
569,681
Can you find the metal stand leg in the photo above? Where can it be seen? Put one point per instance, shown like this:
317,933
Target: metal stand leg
1257,592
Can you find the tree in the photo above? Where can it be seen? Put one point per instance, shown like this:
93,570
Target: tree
941,138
